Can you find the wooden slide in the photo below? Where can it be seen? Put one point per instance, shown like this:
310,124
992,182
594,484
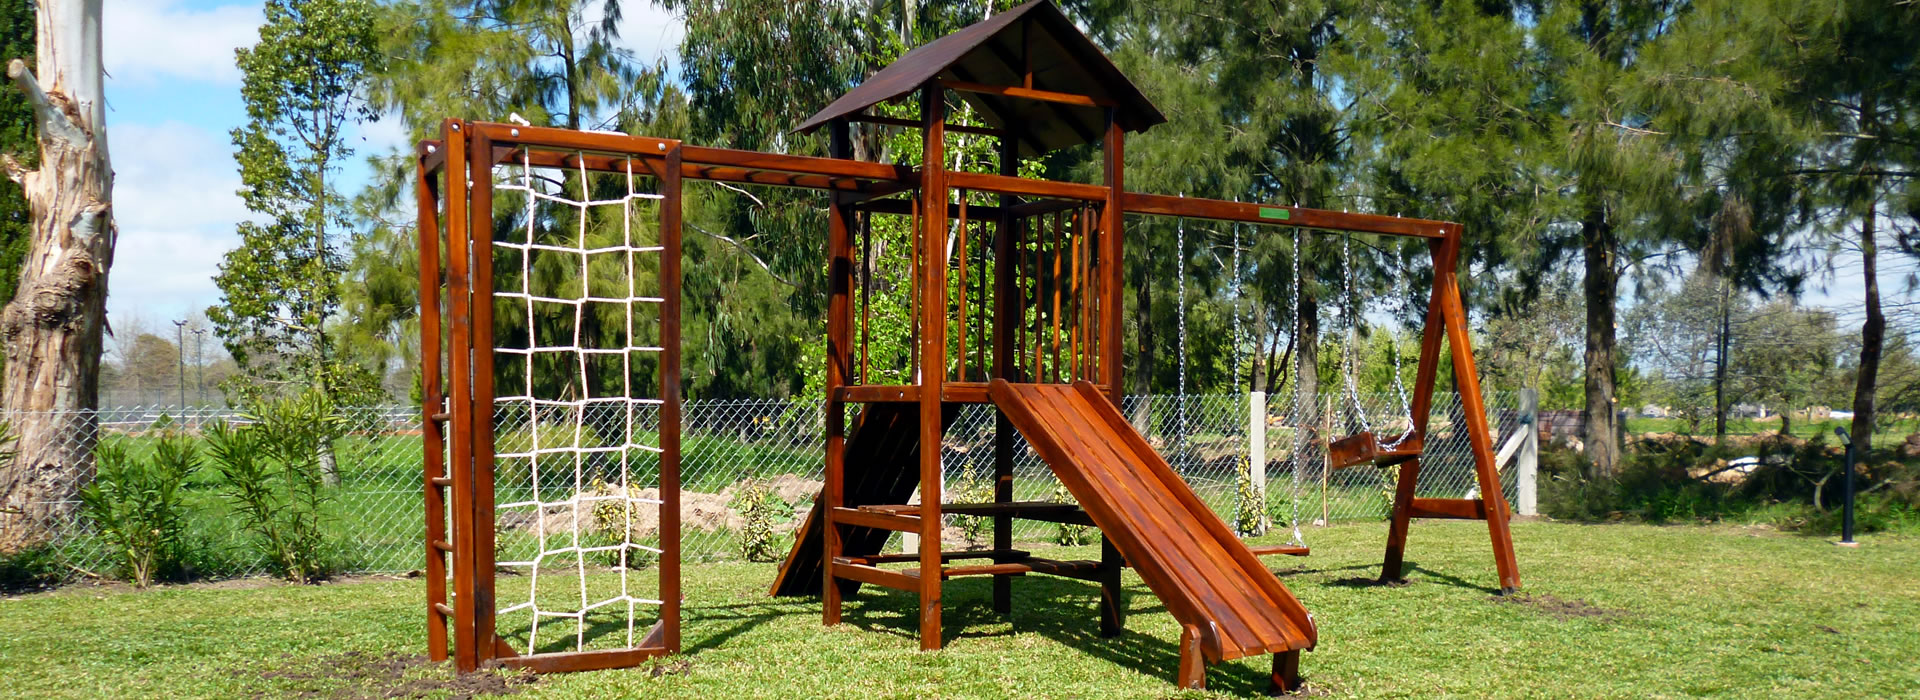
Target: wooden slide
1228,604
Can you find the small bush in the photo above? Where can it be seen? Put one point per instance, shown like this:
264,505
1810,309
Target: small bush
273,478
1069,534
974,486
1248,511
30,568
139,505
759,506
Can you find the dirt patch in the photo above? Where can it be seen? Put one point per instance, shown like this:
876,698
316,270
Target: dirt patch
364,675
702,512
1558,608
1364,582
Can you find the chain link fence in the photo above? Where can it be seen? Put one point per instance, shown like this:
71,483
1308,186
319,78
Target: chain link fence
374,511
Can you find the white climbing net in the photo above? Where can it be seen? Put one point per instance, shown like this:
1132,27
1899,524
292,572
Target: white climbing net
577,502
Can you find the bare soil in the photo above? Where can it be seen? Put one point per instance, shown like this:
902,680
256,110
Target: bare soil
362,675
1558,608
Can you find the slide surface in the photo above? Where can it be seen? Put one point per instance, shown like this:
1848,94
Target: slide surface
1209,580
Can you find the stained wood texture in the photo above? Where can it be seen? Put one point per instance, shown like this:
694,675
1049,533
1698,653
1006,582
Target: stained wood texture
881,455
1365,448
1210,581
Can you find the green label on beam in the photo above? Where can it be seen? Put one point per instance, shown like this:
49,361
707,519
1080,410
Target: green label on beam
1275,213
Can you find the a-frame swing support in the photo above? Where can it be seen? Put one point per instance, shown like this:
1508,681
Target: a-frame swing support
1446,321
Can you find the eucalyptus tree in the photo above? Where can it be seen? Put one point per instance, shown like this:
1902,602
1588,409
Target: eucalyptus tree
54,323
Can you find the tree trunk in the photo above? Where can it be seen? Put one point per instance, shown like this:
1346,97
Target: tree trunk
1600,419
1720,349
1143,357
1306,348
53,325
1873,336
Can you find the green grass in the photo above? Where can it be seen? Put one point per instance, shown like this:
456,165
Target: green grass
1716,611
1889,434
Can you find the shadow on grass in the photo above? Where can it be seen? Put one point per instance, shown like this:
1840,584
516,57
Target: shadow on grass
1062,610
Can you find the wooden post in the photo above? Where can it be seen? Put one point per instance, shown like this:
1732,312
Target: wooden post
1112,227
1113,607
839,366
932,351
1479,433
432,405
1006,314
1529,457
460,376
1286,672
670,219
1257,451
480,218
1444,257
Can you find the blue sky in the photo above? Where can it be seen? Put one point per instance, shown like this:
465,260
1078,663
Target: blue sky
173,95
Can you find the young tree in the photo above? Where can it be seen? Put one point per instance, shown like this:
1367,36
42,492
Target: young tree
302,84
53,325
281,286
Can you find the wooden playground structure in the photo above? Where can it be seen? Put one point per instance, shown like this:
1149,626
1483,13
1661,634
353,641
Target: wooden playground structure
1016,304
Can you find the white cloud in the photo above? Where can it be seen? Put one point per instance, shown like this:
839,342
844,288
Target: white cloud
148,41
651,32
176,208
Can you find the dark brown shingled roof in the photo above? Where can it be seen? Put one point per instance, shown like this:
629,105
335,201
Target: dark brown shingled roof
991,52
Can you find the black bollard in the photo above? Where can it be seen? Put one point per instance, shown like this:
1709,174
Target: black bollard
1846,507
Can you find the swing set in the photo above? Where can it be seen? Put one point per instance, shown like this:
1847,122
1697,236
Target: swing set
1034,333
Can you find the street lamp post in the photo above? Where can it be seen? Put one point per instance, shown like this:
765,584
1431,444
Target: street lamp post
200,362
1846,507
180,352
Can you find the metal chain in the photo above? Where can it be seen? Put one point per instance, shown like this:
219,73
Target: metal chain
1238,339
1180,273
1299,435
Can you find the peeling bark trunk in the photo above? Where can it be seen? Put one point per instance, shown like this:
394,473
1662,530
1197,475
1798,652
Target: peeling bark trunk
1599,421
53,326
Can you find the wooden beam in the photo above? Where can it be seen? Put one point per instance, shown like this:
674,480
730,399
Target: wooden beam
911,124
1221,210
876,576
1023,93
1449,508
880,521
1002,184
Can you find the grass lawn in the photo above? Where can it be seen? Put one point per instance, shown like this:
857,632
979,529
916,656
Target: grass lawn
1616,610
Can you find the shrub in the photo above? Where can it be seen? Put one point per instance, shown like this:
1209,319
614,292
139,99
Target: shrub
609,527
1247,508
758,506
272,474
138,504
30,568
974,486
1069,534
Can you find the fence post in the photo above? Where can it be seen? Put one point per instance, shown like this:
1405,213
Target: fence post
1257,450
1529,457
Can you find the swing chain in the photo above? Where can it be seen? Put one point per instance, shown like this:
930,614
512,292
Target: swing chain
1298,416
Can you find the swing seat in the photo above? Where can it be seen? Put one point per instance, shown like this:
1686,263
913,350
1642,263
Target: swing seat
1365,448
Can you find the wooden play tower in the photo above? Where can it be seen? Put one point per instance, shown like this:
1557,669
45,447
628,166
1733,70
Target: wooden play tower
1016,303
